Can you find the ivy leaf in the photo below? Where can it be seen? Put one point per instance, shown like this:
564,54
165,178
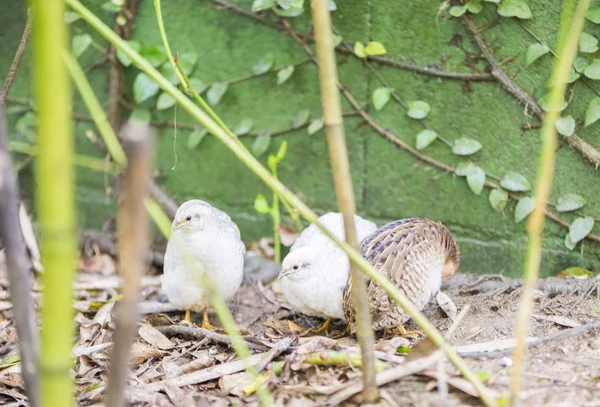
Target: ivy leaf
514,8
244,127
112,7
570,202
474,6
287,4
285,74
418,109
154,54
476,180
580,63
359,50
198,85
375,48
261,144
380,97
464,169
258,5
565,125
187,62
144,88
465,146
545,103
261,205
568,243
301,118
535,51
124,58
263,65
524,207
80,43
457,11
498,199
315,126
196,137
592,71
216,92
164,101
594,15
291,12
141,115
575,272
425,138
513,181
592,114
580,228
71,17
337,40
588,43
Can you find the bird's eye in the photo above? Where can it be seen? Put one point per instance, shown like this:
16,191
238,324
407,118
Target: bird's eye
295,267
189,217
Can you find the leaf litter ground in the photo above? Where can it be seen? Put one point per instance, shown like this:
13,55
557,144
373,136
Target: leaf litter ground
174,364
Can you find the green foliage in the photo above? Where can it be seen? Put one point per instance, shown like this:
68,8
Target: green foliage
141,115
545,103
216,92
261,144
592,114
425,138
123,58
380,97
576,272
164,101
315,126
594,15
588,43
565,125
144,88
498,199
80,43
196,138
568,243
301,118
476,180
198,85
580,228
536,51
154,54
524,207
261,205
514,8
71,17
592,71
513,181
418,109
243,127
465,146
263,65
570,202
258,5
373,48
284,74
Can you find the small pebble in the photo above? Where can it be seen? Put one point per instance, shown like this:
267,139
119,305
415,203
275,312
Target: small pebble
506,361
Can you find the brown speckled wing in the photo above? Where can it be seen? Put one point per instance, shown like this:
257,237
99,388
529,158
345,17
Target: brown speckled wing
411,253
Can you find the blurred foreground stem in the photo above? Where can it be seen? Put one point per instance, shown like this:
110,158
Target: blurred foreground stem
284,192
338,152
570,30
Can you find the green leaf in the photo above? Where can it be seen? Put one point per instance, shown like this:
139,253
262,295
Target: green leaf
359,50
337,40
513,181
263,65
261,144
565,125
380,97
570,202
198,85
112,7
465,168
16,109
154,54
592,71
425,138
216,92
576,272
165,101
285,74
258,5
457,11
594,15
141,115
291,12
144,88
121,20
514,8
498,199
418,109
535,51
580,228
282,150
244,127
465,146
287,4
592,114
545,103
196,137
474,6
187,62
315,126
261,205
71,17
580,63
588,43
476,180
124,58
301,118
568,243
375,48
332,6
573,76
524,207
80,43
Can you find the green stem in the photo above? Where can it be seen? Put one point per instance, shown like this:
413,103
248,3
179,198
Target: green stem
55,201
569,32
276,219
284,192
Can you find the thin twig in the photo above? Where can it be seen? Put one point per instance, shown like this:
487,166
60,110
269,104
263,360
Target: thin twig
16,61
200,333
583,148
18,268
133,239
280,347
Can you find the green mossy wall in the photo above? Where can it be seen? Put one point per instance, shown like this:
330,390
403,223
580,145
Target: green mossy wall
389,183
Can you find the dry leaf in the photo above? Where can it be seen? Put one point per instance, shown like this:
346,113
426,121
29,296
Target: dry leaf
294,328
287,236
446,304
154,337
141,352
235,383
30,239
559,320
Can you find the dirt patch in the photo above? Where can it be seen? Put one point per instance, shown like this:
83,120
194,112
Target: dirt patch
191,368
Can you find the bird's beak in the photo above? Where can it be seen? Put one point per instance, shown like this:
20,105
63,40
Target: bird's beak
284,273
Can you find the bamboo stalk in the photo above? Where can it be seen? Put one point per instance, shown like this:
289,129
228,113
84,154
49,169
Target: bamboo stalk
19,275
55,201
338,152
133,242
284,192
569,33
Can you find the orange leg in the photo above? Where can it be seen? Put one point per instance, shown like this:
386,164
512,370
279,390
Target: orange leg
322,328
188,315
403,332
206,323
